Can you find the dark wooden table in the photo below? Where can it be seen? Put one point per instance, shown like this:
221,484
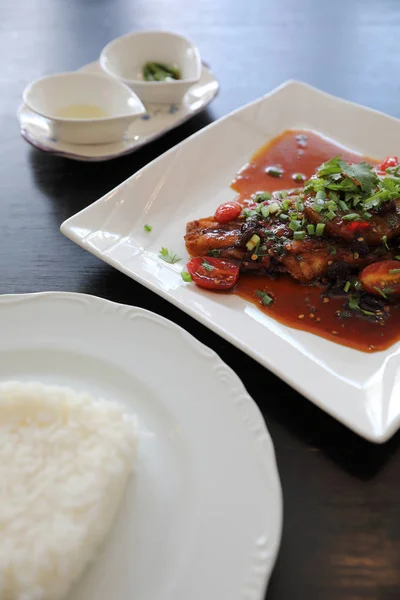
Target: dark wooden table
341,537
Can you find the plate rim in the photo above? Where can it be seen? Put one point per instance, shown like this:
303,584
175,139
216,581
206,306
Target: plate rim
129,150
264,452
368,431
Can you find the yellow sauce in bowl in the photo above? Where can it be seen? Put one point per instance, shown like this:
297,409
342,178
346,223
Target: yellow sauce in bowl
81,111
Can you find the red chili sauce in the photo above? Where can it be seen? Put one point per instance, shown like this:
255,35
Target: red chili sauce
306,307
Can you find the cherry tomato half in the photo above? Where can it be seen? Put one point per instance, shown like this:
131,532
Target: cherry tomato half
227,212
382,278
390,161
213,273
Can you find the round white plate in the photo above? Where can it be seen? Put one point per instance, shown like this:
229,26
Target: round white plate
159,119
202,515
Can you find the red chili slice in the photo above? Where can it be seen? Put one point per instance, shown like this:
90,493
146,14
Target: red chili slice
213,273
390,161
227,212
357,226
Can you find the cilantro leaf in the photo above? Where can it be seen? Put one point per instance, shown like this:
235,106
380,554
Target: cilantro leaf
363,173
168,257
206,265
354,305
214,253
330,167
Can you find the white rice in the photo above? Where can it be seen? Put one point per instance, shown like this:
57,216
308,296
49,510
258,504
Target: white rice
65,459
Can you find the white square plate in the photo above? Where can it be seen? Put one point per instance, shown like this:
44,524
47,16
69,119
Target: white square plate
188,182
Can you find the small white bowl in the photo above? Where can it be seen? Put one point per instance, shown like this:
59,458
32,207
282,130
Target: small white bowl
63,96
125,57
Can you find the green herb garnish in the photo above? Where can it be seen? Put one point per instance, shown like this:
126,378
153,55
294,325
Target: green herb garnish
294,225
214,253
354,305
319,230
274,171
168,257
264,298
299,177
147,228
384,242
394,271
381,292
261,197
310,229
206,265
153,71
186,276
347,286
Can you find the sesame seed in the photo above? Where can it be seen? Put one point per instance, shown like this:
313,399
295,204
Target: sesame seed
311,315
300,317
318,319
334,332
325,300
360,239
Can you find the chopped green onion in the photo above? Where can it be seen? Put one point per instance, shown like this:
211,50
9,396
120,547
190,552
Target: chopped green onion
265,299
147,228
274,171
316,207
274,207
249,213
347,286
397,257
299,177
265,210
320,195
381,292
394,271
343,206
253,241
331,215
384,241
319,230
284,217
299,235
311,229
284,194
294,225
186,276
286,205
332,205
351,217
367,216
261,197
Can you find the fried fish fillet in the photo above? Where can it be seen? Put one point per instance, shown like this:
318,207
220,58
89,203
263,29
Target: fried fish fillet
305,260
